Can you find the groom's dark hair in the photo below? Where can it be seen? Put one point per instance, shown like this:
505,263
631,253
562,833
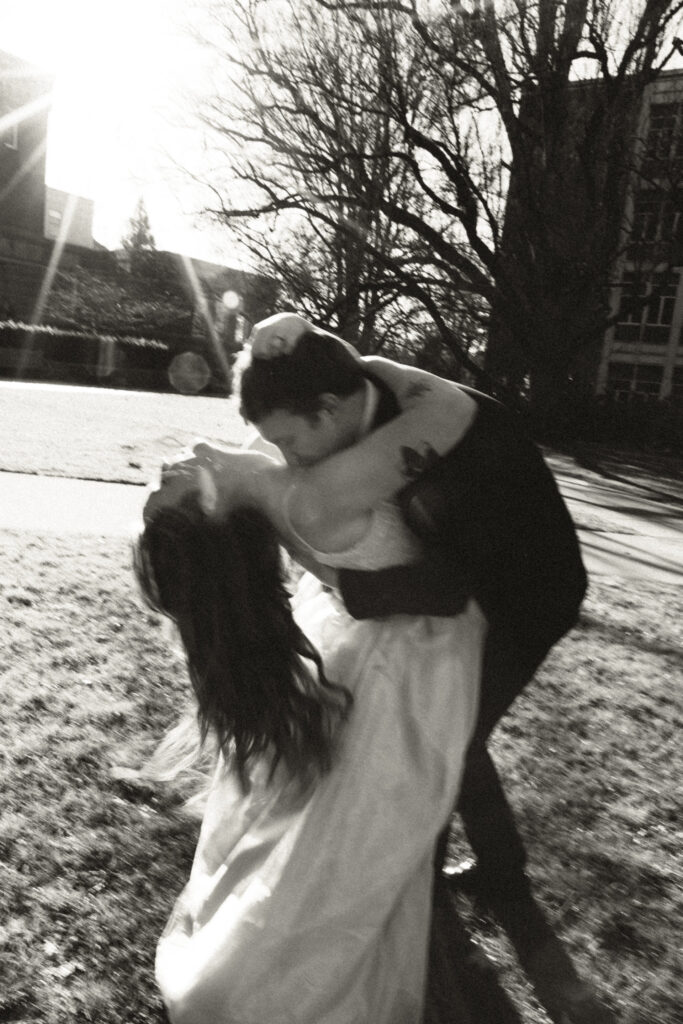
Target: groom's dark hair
319,364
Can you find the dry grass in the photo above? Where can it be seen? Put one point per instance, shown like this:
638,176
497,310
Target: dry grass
88,872
91,868
592,755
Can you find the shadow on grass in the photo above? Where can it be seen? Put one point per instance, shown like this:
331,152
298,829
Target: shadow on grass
595,464
614,633
649,515
463,983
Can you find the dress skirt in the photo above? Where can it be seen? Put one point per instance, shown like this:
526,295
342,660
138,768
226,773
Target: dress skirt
315,908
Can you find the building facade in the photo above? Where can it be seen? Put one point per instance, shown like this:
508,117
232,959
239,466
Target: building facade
53,272
24,106
642,357
69,218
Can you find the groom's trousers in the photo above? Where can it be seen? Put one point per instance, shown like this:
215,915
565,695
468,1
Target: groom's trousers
483,807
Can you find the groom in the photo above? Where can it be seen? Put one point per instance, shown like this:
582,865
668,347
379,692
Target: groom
494,527
493,521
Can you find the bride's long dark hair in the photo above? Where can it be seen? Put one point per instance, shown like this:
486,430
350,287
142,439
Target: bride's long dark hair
259,682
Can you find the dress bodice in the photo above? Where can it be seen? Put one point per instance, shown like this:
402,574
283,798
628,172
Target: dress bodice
387,541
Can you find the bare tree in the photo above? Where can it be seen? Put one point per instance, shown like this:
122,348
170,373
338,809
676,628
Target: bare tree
454,160
319,169
528,145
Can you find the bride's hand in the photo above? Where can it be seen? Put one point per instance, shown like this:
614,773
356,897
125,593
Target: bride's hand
277,335
219,478
231,477
177,479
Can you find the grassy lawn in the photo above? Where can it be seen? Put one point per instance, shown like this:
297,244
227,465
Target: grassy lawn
105,434
89,873
90,866
592,754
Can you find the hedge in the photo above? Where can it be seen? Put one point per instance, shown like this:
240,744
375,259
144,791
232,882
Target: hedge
44,353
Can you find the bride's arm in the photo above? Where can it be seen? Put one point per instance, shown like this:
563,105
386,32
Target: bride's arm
435,416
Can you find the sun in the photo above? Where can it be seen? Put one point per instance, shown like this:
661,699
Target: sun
121,72
118,81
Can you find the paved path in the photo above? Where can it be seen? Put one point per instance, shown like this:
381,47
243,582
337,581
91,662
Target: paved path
628,530
625,531
55,504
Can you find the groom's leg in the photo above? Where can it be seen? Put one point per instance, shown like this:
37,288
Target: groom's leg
504,888
490,827
463,984
486,814
499,875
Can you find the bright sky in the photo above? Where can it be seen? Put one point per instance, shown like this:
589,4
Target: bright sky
123,71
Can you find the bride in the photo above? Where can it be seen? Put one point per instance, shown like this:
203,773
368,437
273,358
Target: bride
340,752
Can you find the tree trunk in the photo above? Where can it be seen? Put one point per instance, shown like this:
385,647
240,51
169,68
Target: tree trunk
555,405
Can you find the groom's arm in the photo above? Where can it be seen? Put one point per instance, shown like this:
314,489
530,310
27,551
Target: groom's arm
432,586
439,584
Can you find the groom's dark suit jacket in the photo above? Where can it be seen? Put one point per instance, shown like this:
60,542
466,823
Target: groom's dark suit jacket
496,528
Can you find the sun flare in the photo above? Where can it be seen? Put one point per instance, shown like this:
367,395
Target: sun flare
121,72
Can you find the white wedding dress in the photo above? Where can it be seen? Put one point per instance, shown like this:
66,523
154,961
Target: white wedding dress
316,910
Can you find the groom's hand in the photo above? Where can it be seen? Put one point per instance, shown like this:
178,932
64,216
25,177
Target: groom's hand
277,335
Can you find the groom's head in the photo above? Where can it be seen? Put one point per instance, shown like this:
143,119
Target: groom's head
308,402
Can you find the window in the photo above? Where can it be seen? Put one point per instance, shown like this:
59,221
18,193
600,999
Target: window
657,230
659,312
9,102
662,127
635,380
651,324
677,383
630,311
10,136
656,224
52,224
664,143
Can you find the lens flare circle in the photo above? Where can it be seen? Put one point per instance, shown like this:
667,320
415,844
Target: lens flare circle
189,373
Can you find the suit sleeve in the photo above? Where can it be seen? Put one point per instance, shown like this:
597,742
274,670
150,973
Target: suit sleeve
433,586
494,525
